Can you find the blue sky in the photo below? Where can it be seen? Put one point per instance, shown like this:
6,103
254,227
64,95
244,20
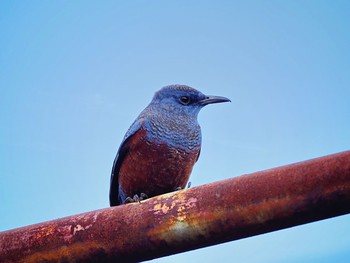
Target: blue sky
75,74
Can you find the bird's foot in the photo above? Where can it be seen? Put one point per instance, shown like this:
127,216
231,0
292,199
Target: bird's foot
136,198
143,196
188,185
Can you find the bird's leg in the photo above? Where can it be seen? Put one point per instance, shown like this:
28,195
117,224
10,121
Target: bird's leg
132,200
189,185
143,196
136,198
128,200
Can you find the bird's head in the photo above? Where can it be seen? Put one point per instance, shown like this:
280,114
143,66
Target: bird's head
183,99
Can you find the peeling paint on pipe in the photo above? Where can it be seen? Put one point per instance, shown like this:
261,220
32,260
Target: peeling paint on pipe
180,221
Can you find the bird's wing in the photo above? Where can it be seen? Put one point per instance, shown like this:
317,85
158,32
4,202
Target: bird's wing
122,152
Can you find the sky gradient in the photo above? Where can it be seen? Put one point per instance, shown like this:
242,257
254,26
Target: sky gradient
75,74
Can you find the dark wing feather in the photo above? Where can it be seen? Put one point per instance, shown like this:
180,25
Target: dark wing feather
122,152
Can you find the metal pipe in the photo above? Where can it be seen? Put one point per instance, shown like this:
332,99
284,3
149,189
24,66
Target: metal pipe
180,221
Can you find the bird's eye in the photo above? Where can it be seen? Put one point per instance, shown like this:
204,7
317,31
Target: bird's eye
185,100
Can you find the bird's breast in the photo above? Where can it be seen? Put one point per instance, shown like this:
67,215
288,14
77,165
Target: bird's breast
154,166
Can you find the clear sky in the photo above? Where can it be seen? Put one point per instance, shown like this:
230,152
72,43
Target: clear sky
75,74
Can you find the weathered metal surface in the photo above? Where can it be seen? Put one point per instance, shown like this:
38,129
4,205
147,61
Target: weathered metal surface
210,214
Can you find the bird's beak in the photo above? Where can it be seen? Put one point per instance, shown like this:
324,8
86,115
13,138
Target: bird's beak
213,99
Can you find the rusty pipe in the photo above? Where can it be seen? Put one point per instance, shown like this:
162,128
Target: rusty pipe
180,221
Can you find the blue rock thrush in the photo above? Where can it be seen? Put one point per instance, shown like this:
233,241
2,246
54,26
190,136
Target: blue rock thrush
160,148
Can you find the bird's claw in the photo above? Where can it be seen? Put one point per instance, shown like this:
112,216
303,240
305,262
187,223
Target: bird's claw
136,198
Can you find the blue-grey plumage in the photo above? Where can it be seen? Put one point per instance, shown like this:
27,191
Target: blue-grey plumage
160,148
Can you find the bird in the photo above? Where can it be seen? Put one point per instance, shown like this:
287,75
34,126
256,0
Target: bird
160,148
